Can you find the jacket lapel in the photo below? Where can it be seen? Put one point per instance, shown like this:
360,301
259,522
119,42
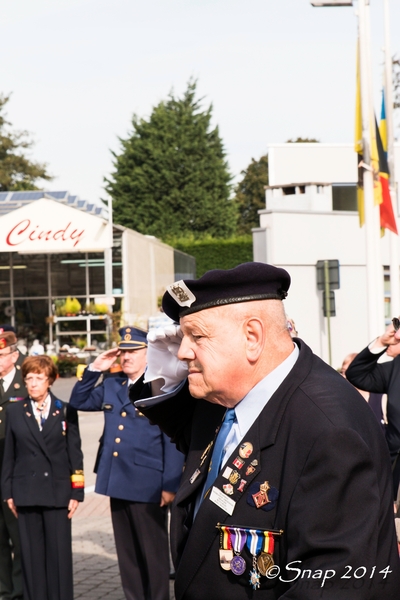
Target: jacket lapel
123,394
54,417
32,424
261,435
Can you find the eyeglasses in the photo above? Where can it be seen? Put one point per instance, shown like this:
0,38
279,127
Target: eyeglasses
31,379
396,323
5,354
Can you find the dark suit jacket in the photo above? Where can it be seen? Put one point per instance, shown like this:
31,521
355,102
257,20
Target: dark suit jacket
137,461
319,446
15,392
367,374
38,465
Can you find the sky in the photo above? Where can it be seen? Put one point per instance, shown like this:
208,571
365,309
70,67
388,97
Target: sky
77,70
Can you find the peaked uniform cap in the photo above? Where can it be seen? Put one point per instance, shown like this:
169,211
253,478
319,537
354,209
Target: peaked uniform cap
244,283
132,338
8,338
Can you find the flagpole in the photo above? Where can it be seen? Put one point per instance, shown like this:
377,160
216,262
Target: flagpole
393,238
374,269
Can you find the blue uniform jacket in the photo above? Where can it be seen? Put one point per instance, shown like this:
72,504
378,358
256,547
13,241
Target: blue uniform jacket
137,461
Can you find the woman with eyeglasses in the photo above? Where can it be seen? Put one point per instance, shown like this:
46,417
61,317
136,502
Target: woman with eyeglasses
42,481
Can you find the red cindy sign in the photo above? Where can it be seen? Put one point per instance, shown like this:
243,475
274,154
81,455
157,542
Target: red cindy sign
25,231
49,226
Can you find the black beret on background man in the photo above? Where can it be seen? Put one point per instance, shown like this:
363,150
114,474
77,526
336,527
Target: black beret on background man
12,389
286,491
137,466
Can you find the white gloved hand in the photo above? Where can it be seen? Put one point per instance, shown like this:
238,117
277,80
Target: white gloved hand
162,360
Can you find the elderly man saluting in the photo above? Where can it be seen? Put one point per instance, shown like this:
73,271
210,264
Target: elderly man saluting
137,467
286,491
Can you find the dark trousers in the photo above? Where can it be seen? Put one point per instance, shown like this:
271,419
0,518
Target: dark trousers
46,550
10,556
141,540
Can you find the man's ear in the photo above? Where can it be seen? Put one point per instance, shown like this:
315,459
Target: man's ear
255,337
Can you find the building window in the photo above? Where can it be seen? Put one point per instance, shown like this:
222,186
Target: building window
30,275
344,196
4,275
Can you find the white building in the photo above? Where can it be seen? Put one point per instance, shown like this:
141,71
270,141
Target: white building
54,245
311,215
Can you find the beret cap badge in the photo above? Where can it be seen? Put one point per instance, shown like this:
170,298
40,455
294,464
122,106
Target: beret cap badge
181,293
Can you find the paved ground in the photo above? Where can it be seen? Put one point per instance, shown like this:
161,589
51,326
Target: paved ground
96,573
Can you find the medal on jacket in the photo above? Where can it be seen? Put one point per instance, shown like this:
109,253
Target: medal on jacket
261,497
225,550
238,564
254,543
265,560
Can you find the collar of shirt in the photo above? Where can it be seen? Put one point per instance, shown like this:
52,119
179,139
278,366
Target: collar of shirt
253,403
41,413
7,379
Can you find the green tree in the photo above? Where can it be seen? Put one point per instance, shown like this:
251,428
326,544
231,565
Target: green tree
17,171
171,177
300,140
250,194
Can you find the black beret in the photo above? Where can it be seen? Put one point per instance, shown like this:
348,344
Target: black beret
132,338
244,283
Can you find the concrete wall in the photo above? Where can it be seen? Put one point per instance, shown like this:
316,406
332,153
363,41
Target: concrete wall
148,267
324,163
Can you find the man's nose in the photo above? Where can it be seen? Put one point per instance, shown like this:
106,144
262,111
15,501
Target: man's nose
185,351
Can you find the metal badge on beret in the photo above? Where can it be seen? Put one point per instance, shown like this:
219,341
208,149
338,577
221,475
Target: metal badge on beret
181,293
3,343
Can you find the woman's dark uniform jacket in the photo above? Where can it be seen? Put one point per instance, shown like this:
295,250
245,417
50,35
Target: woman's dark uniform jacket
40,474
319,445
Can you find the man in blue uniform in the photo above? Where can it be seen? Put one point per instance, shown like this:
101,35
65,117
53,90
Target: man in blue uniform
137,466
